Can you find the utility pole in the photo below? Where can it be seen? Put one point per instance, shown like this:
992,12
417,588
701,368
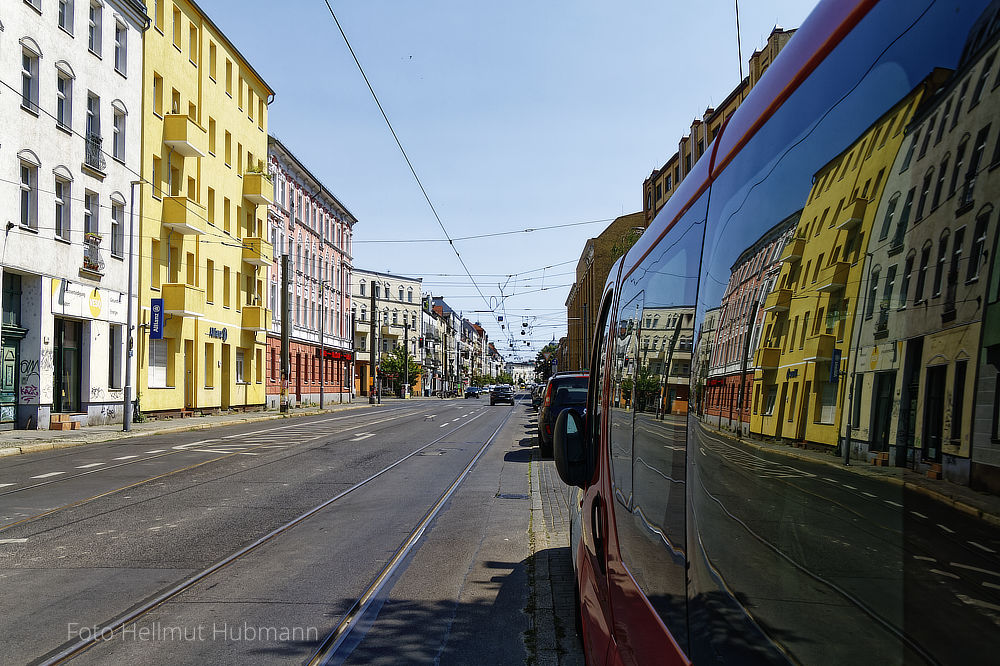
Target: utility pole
322,341
286,326
406,358
350,396
371,353
127,397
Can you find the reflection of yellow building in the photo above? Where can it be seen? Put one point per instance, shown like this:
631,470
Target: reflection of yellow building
204,203
810,312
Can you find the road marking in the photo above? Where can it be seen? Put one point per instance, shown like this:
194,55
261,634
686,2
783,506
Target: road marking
981,547
13,540
946,529
924,558
944,573
976,602
363,435
919,515
444,425
850,487
45,476
4,485
156,451
126,457
972,568
896,504
868,494
89,466
991,585
825,478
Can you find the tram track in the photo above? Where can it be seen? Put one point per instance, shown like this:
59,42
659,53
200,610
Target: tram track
107,629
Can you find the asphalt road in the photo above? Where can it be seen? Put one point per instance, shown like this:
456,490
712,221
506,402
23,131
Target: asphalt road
137,533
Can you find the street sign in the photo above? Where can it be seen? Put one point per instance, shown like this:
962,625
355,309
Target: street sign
156,319
835,366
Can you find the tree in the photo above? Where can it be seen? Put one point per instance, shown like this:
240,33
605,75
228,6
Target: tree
392,368
543,361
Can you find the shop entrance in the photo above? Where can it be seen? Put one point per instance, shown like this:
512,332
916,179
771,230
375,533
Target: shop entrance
66,360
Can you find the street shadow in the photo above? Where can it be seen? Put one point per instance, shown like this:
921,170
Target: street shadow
520,455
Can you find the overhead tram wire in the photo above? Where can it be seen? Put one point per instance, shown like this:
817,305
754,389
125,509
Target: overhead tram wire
492,235
406,157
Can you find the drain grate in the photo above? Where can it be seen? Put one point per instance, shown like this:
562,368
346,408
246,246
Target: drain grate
512,496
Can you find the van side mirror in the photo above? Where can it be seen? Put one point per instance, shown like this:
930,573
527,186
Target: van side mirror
571,450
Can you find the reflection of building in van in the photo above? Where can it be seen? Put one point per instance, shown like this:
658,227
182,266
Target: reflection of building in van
654,365
922,307
702,357
810,312
739,325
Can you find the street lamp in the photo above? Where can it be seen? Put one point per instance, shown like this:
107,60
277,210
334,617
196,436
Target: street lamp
129,346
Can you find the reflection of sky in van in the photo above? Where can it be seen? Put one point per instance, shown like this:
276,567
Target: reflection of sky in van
789,175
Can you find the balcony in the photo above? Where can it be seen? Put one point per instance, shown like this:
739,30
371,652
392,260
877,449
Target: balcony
257,188
778,300
257,251
851,216
819,347
183,300
93,264
256,318
793,250
834,277
184,135
767,358
183,216
94,156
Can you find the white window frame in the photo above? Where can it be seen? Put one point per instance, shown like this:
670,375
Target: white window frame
29,80
91,213
93,126
64,100
121,48
118,136
63,194
239,366
29,195
117,229
94,18
65,15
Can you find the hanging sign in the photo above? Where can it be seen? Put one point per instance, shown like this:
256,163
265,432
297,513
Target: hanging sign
156,319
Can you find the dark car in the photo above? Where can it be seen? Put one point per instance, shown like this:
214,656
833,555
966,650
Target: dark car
472,391
502,393
536,396
565,389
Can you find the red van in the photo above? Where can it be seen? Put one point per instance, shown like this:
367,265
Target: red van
811,322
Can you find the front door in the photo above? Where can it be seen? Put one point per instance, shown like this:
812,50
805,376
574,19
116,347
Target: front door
8,384
227,379
189,374
885,384
66,362
934,412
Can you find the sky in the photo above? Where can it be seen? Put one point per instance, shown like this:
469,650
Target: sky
539,120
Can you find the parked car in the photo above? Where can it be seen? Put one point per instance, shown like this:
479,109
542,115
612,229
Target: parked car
564,390
472,391
824,279
536,396
502,393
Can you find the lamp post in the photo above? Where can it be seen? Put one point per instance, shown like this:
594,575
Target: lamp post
322,339
127,393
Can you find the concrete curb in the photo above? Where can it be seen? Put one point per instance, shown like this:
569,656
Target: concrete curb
102,437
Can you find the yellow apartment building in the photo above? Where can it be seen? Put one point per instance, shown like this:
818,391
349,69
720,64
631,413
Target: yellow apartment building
204,197
810,312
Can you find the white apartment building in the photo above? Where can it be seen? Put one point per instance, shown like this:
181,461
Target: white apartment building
397,318
69,150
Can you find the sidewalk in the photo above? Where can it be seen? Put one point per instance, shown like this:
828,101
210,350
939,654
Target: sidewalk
981,505
16,442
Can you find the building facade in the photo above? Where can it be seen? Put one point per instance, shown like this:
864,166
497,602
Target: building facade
397,319
70,150
309,224
204,249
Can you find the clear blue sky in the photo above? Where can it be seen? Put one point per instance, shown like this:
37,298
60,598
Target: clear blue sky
515,115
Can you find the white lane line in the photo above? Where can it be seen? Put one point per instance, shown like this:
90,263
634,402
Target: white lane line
125,458
976,602
991,585
850,487
45,476
13,540
826,478
247,454
89,466
976,569
274,446
156,451
895,504
364,435
925,559
919,515
444,425
981,547
4,485
946,528
209,451
944,573
868,494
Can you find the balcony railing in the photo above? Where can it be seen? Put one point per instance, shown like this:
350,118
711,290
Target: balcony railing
94,157
793,250
882,323
257,251
767,358
92,261
257,188
184,216
819,347
834,277
778,300
182,299
256,318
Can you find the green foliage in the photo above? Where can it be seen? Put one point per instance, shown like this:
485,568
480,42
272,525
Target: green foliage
543,361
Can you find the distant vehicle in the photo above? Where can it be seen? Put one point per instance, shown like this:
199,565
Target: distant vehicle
536,396
502,393
564,390
472,391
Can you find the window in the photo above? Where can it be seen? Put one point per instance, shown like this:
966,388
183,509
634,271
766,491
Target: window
401,293
958,399
905,286
114,356
209,365
118,146
942,170
960,155
925,190
91,213
958,105
229,77
29,81
117,229
29,195
977,93
209,281
909,152
211,136
925,256
93,115
66,15
225,286
193,44
977,252
361,289
158,94
889,211
158,14
64,100
211,59
944,121
939,269
927,137
158,352
94,29
64,200
121,42
177,28
872,293
229,149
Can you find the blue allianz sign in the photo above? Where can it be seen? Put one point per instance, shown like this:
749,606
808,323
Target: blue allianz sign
156,319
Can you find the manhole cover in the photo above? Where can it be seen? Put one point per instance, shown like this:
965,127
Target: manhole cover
512,496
